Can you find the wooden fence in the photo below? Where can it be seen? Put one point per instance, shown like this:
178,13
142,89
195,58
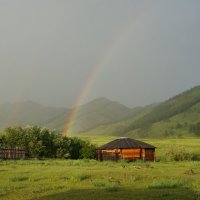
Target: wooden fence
14,154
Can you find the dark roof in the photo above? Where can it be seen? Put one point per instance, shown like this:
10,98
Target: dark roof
125,143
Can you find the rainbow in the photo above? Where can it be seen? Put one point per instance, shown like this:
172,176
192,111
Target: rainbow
111,50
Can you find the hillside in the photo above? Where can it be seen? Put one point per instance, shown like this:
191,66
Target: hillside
27,113
100,111
97,112
177,116
120,128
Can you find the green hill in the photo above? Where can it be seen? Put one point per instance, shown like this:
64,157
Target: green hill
27,113
100,111
97,112
122,127
177,116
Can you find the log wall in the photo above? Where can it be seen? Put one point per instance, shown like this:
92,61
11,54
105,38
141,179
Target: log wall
127,154
131,154
150,154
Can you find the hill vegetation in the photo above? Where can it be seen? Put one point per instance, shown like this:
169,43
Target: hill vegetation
95,113
27,113
100,111
178,116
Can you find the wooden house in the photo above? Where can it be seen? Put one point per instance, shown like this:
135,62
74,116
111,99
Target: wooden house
127,149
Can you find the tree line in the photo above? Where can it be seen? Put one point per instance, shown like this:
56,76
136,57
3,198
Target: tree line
41,142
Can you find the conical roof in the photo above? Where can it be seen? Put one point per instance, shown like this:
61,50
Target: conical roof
125,143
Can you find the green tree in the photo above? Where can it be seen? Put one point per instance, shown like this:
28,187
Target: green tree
43,143
88,150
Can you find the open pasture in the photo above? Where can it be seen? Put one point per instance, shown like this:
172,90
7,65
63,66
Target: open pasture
89,179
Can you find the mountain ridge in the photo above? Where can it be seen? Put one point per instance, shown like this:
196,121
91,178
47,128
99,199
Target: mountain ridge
163,119
92,114
179,115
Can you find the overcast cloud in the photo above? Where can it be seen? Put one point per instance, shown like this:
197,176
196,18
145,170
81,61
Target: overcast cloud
49,48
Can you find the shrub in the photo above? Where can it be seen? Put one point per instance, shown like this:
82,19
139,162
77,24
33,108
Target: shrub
177,153
195,157
87,150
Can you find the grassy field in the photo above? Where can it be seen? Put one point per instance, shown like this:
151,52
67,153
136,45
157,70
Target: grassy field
162,145
89,179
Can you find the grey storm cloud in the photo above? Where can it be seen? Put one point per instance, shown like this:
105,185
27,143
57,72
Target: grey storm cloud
48,49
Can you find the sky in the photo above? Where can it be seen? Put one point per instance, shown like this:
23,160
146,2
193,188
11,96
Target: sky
135,52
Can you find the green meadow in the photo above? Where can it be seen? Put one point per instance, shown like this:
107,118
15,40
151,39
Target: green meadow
89,179
191,144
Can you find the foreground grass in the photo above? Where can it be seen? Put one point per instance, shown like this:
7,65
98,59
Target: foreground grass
88,179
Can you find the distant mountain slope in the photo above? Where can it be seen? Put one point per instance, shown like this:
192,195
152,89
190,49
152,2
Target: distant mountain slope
186,123
101,111
122,127
95,113
27,113
178,116
175,116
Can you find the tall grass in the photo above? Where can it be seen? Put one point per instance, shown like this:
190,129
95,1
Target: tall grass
18,178
112,187
99,183
166,184
79,177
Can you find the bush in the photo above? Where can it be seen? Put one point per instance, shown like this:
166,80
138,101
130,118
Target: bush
177,153
87,150
196,157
